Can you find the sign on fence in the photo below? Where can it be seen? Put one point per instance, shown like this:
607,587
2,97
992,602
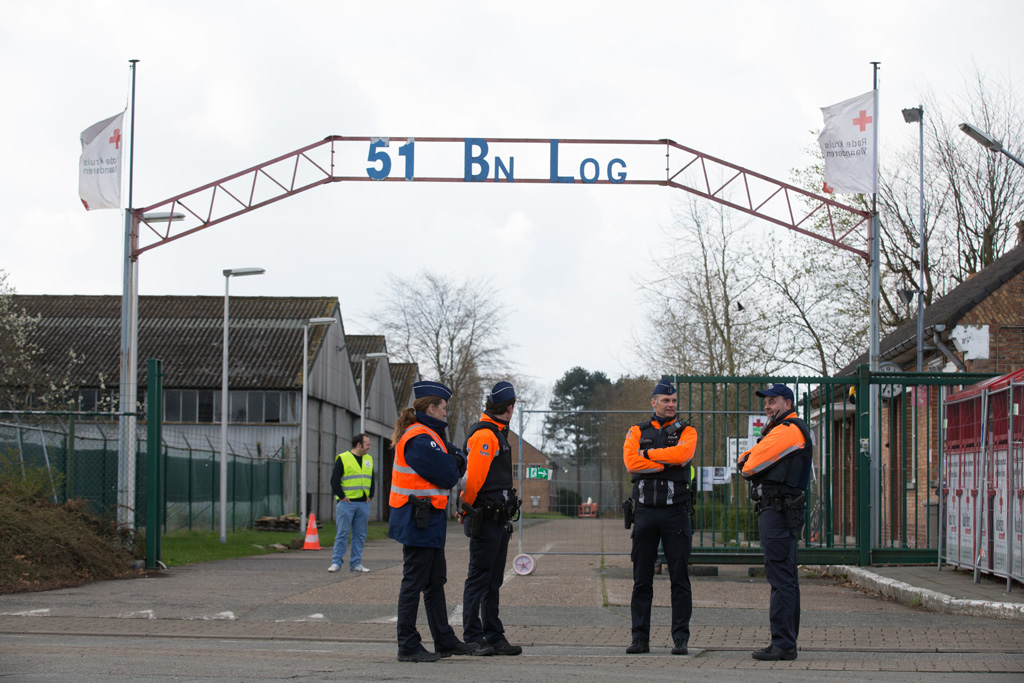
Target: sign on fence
538,473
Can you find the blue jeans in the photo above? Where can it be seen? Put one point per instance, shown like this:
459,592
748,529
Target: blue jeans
352,520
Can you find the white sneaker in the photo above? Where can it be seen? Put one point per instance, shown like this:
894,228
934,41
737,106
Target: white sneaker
359,569
333,568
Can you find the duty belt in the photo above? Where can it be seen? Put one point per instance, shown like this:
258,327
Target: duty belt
779,500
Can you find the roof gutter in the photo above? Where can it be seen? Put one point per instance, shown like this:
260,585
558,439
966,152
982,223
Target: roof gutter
946,351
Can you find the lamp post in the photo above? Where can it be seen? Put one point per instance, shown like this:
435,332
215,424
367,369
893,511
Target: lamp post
916,115
362,389
228,274
129,385
986,141
306,324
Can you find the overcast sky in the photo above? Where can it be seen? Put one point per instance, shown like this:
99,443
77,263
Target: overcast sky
223,86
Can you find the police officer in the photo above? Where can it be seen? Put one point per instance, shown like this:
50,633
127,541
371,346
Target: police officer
658,454
489,506
426,468
778,468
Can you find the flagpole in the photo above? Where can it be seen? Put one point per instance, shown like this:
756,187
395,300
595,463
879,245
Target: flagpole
129,346
874,407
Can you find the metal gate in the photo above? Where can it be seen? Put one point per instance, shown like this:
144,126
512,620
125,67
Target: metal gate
572,479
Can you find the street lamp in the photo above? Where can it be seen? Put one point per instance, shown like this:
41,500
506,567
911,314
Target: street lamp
986,141
228,274
916,115
306,324
130,359
362,390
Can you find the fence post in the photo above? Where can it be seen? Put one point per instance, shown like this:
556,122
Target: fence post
863,466
69,465
154,417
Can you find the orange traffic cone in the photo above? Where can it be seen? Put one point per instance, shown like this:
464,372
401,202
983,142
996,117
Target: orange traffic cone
312,537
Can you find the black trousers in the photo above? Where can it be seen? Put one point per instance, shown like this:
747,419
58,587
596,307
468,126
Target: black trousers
779,541
488,551
425,571
670,526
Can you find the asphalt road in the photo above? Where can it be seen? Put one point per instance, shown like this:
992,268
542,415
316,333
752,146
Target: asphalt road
284,618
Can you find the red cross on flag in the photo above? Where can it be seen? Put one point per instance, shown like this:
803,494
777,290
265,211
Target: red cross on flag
848,144
99,167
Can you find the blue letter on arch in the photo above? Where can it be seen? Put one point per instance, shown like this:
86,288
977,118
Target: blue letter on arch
472,159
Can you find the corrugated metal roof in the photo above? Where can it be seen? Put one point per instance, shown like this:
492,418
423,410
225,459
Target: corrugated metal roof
403,376
185,332
358,346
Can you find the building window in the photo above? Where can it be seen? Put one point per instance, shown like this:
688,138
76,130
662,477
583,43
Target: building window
246,407
272,406
206,406
255,407
172,406
87,399
189,402
238,405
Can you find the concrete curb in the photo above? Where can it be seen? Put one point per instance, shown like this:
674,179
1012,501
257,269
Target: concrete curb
930,600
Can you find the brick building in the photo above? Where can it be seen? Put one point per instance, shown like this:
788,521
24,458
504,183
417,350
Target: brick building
978,327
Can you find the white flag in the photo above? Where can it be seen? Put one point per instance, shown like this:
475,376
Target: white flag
99,179
848,145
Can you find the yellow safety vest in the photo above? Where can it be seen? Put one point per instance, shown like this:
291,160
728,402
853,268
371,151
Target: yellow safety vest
355,480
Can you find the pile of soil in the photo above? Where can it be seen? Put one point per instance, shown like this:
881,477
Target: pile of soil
45,546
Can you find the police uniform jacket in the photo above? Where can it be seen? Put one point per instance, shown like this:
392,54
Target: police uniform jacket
782,456
660,462
443,470
489,462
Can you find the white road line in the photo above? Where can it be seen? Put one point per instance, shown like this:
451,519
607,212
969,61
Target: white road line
30,613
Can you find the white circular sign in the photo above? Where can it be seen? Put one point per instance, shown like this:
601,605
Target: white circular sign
523,564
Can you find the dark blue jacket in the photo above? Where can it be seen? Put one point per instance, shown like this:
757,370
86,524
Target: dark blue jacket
439,468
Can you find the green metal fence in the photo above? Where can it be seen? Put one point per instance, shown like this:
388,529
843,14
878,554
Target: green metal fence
79,453
861,509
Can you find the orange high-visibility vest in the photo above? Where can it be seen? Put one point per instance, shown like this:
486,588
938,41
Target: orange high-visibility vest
404,480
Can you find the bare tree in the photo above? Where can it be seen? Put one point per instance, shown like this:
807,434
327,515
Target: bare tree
973,198
702,294
818,303
454,330
986,191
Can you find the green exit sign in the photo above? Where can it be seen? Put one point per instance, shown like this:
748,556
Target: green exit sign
538,473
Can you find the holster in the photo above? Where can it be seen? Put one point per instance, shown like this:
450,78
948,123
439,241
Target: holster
472,519
515,506
628,507
422,511
790,505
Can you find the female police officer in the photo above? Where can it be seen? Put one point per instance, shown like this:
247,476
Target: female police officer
426,468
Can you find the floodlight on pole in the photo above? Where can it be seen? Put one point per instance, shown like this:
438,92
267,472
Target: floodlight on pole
987,141
306,324
362,389
228,274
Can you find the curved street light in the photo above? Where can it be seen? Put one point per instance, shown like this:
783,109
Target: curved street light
986,140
